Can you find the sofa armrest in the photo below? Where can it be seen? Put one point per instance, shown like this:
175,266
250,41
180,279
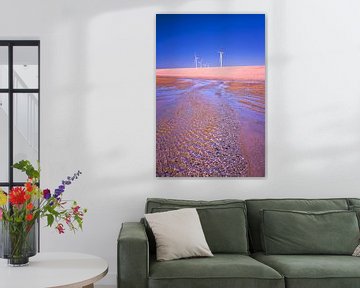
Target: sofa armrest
133,256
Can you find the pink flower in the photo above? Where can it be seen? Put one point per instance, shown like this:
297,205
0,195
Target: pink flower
1,212
68,219
60,228
76,210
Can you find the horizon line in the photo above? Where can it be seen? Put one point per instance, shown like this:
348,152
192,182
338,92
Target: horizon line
213,67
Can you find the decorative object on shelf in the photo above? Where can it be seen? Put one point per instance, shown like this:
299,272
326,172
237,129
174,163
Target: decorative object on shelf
210,95
21,208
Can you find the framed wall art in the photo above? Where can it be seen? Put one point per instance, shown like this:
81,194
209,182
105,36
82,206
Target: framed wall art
210,95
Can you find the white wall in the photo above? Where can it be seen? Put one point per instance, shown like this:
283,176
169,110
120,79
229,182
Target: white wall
98,105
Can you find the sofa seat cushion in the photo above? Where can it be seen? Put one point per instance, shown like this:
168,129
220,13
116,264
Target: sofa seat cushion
222,270
313,271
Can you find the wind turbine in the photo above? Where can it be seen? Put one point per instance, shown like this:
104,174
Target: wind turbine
221,57
196,60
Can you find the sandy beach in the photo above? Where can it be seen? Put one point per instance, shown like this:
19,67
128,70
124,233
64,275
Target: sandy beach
210,124
244,73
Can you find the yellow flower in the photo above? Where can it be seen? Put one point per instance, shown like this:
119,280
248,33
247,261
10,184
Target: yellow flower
3,198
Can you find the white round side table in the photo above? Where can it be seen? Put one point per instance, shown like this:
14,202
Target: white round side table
50,270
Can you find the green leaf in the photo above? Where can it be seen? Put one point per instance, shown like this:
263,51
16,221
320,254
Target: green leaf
21,165
28,168
52,211
79,221
50,219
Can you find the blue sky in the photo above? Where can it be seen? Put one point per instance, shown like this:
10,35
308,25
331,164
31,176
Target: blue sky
180,36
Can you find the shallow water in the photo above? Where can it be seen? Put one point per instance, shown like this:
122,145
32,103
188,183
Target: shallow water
210,128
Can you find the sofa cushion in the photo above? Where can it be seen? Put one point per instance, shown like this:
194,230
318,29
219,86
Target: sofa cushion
254,207
354,205
224,222
313,271
356,209
297,232
222,270
178,234
353,201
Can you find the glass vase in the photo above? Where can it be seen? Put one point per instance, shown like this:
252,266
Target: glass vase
18,242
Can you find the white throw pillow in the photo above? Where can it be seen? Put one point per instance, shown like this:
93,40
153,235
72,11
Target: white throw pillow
178,234
357,251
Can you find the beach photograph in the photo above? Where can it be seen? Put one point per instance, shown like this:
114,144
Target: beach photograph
210,95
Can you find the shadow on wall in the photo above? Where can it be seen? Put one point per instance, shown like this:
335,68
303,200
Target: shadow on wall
73,89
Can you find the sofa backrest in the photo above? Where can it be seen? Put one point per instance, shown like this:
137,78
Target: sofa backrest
256,205
353,202
223,221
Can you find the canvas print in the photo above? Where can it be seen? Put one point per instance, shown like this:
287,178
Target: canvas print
210,95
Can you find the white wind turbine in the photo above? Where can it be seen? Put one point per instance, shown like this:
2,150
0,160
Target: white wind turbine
196,58
221,57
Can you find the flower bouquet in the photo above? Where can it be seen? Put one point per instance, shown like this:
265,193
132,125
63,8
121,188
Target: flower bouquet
21,208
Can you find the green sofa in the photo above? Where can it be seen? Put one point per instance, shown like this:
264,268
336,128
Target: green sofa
233,230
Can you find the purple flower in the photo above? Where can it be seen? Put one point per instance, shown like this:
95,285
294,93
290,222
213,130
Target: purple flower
64,183
46,194
58,192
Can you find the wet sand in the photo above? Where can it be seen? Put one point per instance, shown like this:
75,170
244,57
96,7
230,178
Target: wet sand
210,128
